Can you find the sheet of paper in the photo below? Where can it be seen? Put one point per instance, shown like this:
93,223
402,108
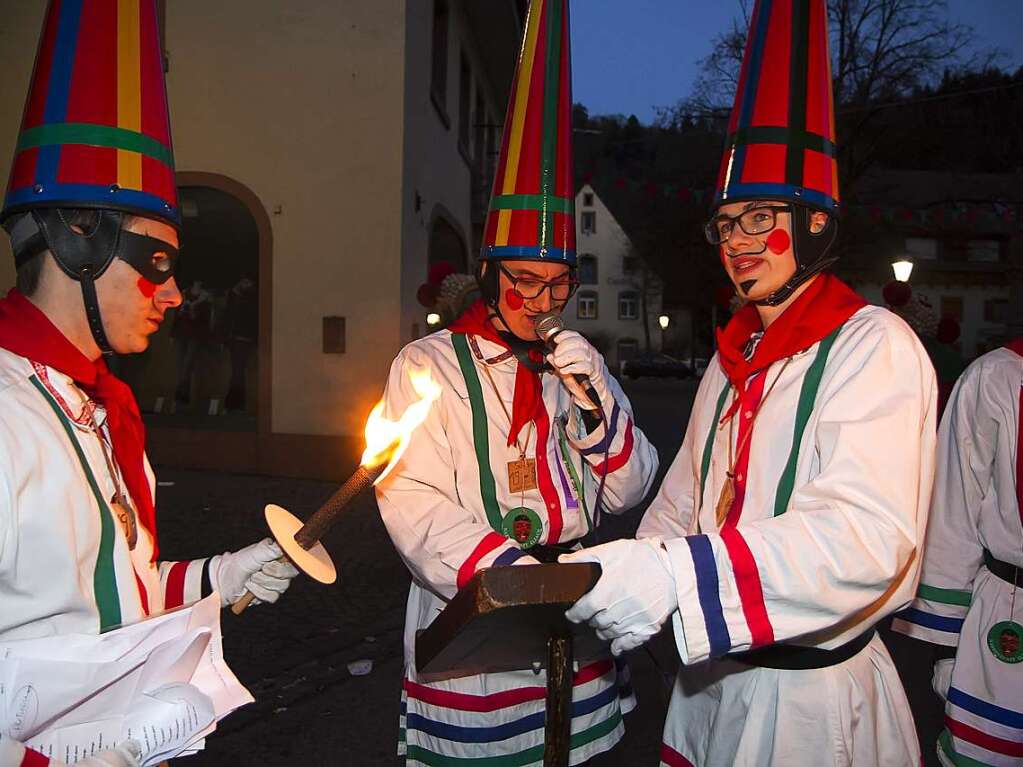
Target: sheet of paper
73,695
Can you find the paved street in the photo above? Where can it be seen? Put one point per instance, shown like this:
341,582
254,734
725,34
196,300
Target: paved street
294,656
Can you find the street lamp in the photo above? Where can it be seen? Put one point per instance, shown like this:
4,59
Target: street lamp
902,268
664,320
432,319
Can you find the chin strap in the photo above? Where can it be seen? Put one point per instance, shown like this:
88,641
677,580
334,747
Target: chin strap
802,275
91,301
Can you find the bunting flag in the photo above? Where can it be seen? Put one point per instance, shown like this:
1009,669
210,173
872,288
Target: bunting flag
95,131
532,207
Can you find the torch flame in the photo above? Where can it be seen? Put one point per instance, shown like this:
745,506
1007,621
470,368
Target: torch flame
386,440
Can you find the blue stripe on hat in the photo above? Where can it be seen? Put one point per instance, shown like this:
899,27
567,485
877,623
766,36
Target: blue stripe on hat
741,192
86,195
527,253
59,87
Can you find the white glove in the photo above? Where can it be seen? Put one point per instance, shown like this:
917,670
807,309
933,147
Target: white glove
635,593
127,754
254,568
164,721
574,355
941,679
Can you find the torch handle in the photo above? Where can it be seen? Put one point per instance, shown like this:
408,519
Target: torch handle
327,514
246,599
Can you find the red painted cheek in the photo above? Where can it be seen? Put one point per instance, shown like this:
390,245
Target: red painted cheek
513,298
146,288
778,241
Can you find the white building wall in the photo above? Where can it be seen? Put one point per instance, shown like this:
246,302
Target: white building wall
610,245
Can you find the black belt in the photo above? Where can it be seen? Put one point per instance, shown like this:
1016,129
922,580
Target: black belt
792,658
1004,570
548,554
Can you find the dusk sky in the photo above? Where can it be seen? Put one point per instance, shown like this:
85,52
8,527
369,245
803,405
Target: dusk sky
630,56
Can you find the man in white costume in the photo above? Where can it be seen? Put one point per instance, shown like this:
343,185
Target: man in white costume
968,602
508,464
95,275
792,518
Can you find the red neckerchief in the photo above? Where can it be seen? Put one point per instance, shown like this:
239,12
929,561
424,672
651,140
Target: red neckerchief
27,332
528,391
822,307
1016,346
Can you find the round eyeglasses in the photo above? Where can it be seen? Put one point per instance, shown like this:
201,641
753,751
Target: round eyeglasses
530,288
753,221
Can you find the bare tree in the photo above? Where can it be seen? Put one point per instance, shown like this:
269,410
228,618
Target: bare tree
882,51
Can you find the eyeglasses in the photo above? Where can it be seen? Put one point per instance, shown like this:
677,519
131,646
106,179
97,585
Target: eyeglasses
530,288
753,221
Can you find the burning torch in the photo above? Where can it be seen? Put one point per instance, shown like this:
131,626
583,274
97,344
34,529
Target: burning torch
385,442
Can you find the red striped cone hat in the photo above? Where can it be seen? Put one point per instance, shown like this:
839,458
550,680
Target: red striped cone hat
95,131
532,206
781,135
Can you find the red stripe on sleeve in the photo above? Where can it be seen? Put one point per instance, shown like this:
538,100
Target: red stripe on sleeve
982,739
143,596
34,759
468,569
747,579
175,591
615,462
673,758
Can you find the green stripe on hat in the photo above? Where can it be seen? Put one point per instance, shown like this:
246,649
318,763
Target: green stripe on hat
95,135
531,202
552,88
772,134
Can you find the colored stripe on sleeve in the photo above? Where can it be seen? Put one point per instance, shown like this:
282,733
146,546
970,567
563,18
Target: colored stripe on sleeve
174,593
930,620
747,579
984,740
673,758
707,590
997,714
945,743
468,569
612,430
508,556
34,759
959,597
615,462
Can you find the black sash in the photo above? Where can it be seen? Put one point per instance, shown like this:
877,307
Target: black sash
1004,570
792,658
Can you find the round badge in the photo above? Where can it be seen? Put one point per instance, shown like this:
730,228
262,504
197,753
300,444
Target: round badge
523,526
1005,640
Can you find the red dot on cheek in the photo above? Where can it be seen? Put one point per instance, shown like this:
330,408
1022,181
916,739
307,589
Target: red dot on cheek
513,298
778,241
146,288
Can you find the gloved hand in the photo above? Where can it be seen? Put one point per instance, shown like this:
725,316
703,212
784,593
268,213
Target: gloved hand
165,720
127,754
941,679
574,355
635,593
254,568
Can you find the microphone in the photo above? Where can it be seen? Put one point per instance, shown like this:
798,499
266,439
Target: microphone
547,327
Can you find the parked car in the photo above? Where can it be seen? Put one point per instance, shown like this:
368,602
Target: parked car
655,365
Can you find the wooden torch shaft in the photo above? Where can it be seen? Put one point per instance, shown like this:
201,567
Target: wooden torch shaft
558,729
327,514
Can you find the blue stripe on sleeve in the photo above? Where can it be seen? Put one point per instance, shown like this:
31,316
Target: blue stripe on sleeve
930,620
707,589
997,714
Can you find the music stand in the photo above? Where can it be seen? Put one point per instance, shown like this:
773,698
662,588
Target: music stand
512,618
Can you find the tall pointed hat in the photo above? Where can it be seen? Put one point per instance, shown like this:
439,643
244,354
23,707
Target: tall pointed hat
95,131
781,135
532,207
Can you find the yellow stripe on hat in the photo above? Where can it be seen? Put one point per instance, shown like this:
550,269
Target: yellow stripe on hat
129,90
511,166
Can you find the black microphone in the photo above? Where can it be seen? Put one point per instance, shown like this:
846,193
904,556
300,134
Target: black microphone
547,327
